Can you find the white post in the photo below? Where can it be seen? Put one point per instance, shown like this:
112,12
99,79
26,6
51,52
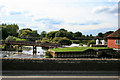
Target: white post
97,42
103,42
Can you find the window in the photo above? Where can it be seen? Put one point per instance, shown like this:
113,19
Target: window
117,42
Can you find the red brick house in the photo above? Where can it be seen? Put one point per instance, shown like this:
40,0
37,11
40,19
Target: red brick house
114,40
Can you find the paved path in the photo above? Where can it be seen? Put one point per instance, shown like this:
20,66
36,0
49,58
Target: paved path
60,78
60,73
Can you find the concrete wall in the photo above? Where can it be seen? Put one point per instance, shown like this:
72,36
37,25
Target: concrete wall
61,64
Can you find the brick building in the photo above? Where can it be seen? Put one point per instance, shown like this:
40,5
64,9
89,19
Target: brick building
114,40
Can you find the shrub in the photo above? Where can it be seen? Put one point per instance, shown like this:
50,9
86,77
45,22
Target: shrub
65,41
48,55
85,41
80,44
76,41
10,38
45,40
56,39
91,42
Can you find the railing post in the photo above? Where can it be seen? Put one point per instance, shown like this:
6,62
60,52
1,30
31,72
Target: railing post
34,50
19,48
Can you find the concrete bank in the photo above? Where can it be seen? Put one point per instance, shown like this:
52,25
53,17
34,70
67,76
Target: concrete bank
60,64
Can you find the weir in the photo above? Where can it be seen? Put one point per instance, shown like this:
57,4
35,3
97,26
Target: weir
30,43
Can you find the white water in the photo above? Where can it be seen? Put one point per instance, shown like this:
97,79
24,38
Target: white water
40,51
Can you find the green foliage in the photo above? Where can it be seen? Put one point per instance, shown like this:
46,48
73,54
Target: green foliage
75,41
26,33
56,39
9,30
18,39
85,41
60,34
69,35
63,30
43,34
63,33
91,42
10,38
106,34
51,34
45,40
100,35
77,34
80,44
62,40
65,41
48,55
4,33
12,29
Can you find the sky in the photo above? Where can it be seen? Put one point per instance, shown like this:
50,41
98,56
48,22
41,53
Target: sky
86,16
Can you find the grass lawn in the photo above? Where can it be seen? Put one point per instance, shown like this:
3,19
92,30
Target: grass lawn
77,49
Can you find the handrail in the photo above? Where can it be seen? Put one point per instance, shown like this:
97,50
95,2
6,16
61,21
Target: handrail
30,43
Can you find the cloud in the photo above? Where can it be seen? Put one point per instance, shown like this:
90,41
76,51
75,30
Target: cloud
15,13
51,15
1,8
84,28
106,9
113,0
48,21
87,23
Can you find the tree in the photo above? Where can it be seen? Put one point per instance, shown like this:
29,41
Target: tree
51,34
77,34
10,38
43,34
65,41
28,33
60,34
87,36
100,35
108,33
56,39
12,29
63,30
69,35
4,33
45,40
3,24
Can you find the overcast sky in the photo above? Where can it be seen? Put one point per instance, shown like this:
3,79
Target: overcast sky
86,16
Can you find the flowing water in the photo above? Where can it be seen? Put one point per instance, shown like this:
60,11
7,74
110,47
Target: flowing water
27,53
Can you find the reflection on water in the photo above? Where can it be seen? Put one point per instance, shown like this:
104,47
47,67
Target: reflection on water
29,50
27,53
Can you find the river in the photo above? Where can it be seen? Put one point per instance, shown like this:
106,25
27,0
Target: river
27,53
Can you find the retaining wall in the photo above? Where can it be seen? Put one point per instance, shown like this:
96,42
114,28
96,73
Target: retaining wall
61,64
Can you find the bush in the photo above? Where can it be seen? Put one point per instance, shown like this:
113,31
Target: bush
56,39
85,41
48,55
45,40
65,41
10,38
75,41
80,44
91,42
